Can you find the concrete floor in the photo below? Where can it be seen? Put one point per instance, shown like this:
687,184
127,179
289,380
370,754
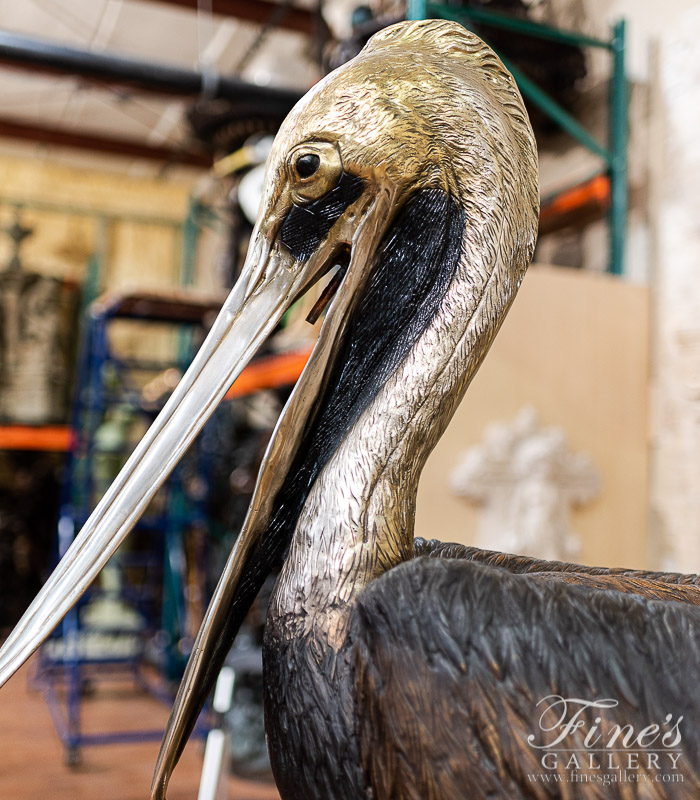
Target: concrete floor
32,758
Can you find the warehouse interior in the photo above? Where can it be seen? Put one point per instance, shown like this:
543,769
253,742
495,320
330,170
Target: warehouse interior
133,141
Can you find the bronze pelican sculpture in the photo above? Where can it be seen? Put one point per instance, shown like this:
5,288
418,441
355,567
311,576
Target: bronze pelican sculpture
398,669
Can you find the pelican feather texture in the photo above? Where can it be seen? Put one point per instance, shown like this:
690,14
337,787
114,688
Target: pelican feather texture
397,669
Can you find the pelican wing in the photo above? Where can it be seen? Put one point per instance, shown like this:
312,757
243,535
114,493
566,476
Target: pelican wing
452,658
678,586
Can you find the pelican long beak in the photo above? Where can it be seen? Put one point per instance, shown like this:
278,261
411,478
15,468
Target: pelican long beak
271,280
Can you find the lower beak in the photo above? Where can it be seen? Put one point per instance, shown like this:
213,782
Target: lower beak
270,282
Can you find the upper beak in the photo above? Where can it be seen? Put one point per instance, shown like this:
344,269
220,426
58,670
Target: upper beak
270,282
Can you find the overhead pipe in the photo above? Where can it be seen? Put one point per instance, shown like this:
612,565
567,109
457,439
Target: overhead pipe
149,76
295,18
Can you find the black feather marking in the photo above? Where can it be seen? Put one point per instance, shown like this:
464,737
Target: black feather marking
305,227
415,265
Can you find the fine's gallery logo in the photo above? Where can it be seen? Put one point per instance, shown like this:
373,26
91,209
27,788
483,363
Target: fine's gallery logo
577,742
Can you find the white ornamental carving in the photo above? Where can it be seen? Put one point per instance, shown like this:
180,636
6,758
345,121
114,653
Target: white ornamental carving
525,480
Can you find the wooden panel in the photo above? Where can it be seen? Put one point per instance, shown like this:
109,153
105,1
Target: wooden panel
143,257
576,347
111,193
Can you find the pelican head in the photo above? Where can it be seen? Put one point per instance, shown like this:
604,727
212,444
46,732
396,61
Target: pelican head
420,146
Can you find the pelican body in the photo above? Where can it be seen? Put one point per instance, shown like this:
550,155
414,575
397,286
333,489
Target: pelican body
397,669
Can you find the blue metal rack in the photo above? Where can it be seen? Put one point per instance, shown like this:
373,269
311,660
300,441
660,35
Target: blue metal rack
155,577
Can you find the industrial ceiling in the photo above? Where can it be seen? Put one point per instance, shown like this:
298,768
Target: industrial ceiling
52,113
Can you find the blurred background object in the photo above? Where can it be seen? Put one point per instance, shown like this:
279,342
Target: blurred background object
39,316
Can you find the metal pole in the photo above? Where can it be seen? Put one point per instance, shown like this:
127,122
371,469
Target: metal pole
618,142
555,112
416,9
508,22
190,235
144,75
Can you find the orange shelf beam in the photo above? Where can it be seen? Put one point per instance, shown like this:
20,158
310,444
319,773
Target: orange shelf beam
269,373
50,438
266,373
577,205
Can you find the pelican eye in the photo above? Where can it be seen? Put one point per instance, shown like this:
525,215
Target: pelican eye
321,191
306,165
314,169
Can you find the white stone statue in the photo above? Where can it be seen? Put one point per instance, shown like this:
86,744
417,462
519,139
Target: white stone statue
525,480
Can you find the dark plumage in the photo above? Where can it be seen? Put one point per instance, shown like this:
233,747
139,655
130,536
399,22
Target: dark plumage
436,691
453,653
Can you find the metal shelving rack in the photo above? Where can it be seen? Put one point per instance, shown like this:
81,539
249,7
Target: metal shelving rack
104,380
154,577
614,153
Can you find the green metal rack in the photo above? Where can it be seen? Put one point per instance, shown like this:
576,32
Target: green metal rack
614,153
